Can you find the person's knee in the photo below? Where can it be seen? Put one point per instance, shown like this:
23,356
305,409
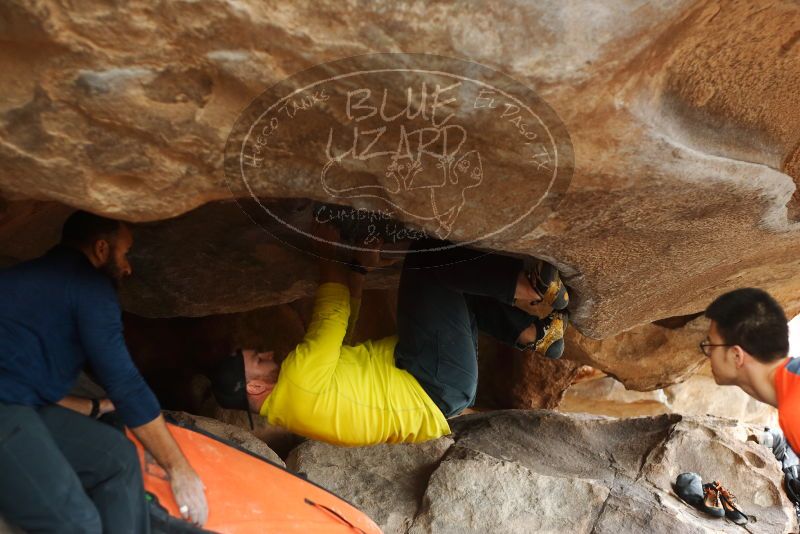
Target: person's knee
456,399
126,455
119,460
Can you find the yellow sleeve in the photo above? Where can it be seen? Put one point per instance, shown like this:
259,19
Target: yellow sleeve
355,307
314,360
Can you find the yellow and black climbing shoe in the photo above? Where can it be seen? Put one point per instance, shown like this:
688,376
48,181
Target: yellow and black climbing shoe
547,282
549,335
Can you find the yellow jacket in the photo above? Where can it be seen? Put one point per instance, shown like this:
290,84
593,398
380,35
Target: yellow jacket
349,395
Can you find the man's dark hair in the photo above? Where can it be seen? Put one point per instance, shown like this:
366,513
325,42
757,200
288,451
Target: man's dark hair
752,319
229,384
83,228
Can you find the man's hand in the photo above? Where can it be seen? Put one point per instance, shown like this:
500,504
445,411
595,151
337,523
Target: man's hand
189,493
370,258
186,485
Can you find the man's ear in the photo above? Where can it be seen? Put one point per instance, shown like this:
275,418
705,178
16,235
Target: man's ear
738,356
102,250
256,387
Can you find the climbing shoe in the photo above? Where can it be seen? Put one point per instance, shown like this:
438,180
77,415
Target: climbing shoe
689,487
728,501
711,501
544,278
704,497
550,335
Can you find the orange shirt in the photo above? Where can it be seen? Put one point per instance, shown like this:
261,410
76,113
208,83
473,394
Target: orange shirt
787,389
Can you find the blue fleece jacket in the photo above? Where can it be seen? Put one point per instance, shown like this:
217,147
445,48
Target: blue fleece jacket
57,314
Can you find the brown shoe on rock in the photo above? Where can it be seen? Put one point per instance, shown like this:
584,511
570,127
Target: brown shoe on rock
711,501
728,500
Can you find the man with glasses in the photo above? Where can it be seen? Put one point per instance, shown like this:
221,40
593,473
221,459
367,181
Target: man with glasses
748,343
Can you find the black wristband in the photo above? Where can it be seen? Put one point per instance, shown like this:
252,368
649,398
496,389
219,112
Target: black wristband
356,267
95,408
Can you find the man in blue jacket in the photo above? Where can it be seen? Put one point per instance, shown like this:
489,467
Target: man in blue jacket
61,471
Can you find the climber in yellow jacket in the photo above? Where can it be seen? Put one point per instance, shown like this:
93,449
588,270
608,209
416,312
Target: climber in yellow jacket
401,388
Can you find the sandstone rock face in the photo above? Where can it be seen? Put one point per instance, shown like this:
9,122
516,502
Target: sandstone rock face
513,379
387,484
699,395
553,504
539,471
683,116
228,264
645,358
137,131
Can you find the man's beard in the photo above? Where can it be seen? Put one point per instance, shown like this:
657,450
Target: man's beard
111,268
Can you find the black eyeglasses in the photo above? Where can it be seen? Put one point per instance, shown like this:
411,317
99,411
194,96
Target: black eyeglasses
704,345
